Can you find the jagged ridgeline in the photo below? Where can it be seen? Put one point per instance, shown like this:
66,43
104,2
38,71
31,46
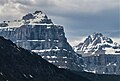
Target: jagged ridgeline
36,32
101,54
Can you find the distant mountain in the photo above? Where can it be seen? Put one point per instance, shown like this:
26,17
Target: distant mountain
101,55
36,32
18,64
96,44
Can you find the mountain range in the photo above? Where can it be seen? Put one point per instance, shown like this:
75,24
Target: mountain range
18,64
36,32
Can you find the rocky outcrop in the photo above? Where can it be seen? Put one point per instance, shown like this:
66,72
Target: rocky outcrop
44,38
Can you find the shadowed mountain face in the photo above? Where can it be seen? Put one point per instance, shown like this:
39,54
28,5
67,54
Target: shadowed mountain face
18,64
99,77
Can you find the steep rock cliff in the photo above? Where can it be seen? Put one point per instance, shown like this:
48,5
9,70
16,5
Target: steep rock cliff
38,34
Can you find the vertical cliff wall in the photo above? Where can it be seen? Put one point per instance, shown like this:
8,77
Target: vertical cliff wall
46,39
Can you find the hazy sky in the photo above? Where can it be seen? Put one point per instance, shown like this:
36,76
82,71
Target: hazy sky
80,18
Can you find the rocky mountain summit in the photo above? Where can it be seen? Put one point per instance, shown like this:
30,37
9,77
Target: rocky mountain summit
38,17
101,54
36,32
96,44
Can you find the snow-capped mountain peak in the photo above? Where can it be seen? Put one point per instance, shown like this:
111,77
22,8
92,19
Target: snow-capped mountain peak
98,38
38,17
97,43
